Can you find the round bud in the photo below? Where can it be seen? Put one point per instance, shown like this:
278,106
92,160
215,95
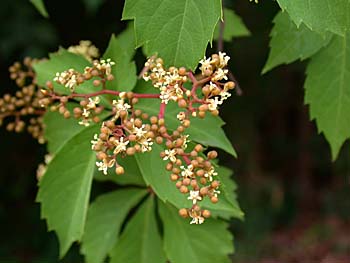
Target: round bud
130,151
212,154
214,199
183,212
182,103
174,177
153,120
110,77
132,137
96,83
110,124
198,148
178,184
94,72
169,166
215,184
161,122
203,191
193,153
203,107
129,95
119,170
200,172
87,76
183,189
182,71
215,112
66,114
194,183
137,148
206,213
181,128
229,85
206,90
159,139
201,114
186,123
186,181
83,103
138,112
101,155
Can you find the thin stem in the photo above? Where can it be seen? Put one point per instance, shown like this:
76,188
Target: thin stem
162,110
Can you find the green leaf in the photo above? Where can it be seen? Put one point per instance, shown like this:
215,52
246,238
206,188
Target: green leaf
206,243
105,217
207,131
234,26
65,189
319,15
154,173
290,43
132,175
178,31
60,61
39,5
140,242
328,91
121,50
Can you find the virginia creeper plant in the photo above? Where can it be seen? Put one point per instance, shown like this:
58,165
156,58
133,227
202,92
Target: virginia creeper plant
152,132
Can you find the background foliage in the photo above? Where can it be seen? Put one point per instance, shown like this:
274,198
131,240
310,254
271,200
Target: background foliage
290,191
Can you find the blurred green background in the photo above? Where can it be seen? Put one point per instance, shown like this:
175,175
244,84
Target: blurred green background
296,200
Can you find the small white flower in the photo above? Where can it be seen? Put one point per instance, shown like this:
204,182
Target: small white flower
140,132
181,116
86,113
214,103
220,74
146,145
120,105
194,196
84,122
93,102
187,172
120,146
94,142
209,174
223,59
104,165
171,155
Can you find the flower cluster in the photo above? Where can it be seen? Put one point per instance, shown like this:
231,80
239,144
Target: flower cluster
22,111
129,130
169,82
85,49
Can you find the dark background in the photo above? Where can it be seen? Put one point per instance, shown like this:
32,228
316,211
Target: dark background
296,200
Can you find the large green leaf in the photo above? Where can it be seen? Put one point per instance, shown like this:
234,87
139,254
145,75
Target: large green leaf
319,15
178,31
206,243
207,131
290,43
105,218
58,62
234,26
121,49
39,5
140,242
65,189
154,173
328,91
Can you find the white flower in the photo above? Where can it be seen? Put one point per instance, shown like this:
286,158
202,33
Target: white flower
104,165
187,172
120,105
214,103
220,74
216,192
194,196
146,145
205,65
223,59
225,95
209,174
164,96
181,116
86,113
140,132
94,142
171,155
92,103
120,145
196,217
84,122
185,141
